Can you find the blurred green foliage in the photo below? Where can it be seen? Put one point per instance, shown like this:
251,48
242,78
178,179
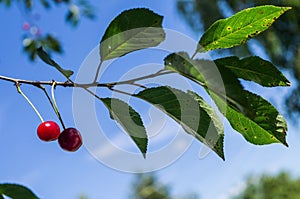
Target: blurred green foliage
33,37
281,186
147,186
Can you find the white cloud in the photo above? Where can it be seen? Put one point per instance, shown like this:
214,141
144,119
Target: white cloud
121,153
108,149
156,141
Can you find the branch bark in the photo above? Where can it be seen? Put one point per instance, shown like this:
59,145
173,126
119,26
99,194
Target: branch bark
39,83
70,83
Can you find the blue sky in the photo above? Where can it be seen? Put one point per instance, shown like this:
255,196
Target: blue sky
53,173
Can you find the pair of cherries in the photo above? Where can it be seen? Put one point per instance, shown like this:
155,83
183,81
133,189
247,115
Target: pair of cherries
69,140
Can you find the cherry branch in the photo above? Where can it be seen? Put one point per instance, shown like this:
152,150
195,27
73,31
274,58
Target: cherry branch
39,83
86,85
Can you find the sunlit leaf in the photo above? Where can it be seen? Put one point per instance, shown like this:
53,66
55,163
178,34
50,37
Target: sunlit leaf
239,28
262,124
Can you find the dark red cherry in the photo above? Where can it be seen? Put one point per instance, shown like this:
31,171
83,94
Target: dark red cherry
70,139
48,131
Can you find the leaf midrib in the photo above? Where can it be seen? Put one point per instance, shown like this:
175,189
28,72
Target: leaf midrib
248,70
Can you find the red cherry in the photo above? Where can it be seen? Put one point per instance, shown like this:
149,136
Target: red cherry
70,139
48,131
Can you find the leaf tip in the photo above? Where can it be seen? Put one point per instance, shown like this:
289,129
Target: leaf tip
221,155
288,83
287,8
223,158
144,155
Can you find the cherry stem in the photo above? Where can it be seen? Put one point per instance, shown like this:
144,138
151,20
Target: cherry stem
49,99
54,105
27,99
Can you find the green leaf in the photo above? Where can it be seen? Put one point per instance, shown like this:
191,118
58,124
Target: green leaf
218,130
239,28
255,118
190,111
213,78
46,58
45,3
15,191
50,42
262,124
181,63
132,30
130,120
254,69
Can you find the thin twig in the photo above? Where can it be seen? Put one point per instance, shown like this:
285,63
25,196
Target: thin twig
98,70
132,81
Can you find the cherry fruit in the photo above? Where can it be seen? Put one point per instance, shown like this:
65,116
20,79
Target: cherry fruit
70,139
48,131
